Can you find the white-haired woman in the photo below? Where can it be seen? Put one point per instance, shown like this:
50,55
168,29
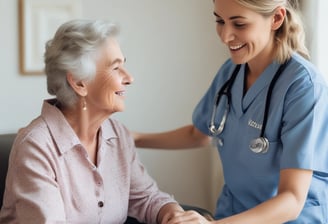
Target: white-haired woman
73,163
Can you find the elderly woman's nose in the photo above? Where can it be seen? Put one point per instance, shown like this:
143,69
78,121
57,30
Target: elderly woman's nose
128,79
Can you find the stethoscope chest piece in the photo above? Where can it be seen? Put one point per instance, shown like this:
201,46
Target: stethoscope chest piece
259,145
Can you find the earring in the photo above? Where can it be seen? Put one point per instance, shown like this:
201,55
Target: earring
84,106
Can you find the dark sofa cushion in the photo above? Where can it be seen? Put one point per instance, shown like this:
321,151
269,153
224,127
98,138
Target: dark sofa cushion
6,141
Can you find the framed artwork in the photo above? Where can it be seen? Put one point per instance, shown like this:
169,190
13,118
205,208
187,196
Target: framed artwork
38,21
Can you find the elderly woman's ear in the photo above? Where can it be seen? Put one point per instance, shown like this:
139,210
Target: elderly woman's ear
79,87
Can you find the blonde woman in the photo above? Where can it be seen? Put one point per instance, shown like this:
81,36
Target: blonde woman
267,112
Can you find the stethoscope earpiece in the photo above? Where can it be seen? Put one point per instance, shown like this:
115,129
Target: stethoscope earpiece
259,145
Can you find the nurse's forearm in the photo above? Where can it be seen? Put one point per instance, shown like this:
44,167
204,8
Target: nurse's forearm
277,210
286,206
181,138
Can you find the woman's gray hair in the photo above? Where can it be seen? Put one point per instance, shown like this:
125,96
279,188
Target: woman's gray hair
290,37
73,50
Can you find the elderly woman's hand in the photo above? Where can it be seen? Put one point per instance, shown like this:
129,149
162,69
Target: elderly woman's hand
170,214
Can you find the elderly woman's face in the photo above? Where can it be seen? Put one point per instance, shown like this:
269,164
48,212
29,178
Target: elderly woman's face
106,92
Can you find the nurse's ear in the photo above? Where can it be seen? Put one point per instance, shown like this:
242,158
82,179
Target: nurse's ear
278,18
79,87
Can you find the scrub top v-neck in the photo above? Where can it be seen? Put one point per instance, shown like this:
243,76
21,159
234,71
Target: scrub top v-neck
251,178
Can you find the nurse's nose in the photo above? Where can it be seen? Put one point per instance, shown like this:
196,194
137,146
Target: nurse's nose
226,33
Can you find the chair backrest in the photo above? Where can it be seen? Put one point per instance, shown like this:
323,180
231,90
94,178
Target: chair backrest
6,141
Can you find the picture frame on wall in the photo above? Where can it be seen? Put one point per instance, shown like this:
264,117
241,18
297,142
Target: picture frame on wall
38,21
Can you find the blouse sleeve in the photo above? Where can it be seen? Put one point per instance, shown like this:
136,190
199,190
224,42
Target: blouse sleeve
32,181
145,198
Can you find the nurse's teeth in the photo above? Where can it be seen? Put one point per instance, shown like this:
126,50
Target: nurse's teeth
235,47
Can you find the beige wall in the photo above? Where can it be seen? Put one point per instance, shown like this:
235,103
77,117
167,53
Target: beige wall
315,17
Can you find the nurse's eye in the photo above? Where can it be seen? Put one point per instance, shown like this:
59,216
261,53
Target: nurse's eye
239,25
220,21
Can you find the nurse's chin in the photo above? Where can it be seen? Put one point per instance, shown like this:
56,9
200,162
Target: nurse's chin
238,60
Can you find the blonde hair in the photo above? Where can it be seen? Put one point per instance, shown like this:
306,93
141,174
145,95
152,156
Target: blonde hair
290,37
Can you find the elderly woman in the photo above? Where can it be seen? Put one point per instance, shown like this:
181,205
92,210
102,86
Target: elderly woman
74,164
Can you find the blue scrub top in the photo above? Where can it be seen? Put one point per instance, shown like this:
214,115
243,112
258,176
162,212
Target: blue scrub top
297,130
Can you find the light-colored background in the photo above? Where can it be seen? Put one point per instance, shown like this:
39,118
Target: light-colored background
173,53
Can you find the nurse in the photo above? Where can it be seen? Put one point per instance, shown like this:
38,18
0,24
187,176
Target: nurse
269,121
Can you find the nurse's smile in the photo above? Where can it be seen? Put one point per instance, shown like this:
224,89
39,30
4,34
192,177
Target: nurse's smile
236,47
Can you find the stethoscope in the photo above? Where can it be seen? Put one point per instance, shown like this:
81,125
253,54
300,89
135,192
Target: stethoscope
261,143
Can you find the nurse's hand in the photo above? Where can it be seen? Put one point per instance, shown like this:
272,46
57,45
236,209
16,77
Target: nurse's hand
187,217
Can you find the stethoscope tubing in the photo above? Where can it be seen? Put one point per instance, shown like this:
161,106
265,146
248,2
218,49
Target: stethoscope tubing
269,94
224,90
260,144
